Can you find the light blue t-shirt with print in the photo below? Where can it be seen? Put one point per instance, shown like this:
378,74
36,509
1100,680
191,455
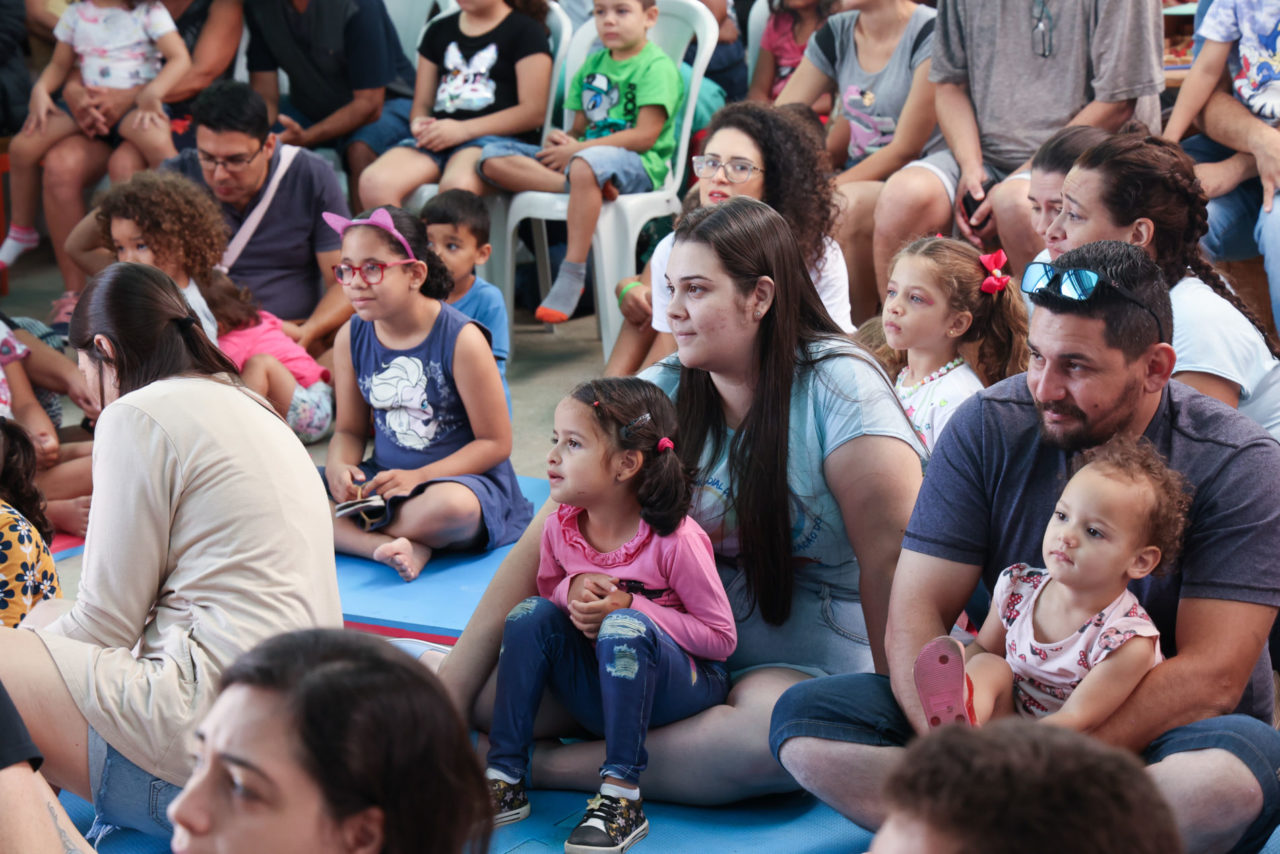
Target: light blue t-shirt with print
1254,25
839,399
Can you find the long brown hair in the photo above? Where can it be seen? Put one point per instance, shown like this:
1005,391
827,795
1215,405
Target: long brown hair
752,240
18,477
999,326
154,334
1145,176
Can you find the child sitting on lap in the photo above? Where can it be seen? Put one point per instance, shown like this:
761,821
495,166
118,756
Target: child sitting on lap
120,44
458,231
645,646
1075,641
621,141
442,435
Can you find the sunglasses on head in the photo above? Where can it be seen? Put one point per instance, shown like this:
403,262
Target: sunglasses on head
1077,284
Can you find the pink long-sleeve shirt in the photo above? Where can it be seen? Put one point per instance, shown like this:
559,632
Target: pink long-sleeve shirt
693,609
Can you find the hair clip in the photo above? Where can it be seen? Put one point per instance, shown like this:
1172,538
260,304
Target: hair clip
665,444
638,421
995,282
595,403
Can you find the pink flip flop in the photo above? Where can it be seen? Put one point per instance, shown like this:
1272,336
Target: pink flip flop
941,683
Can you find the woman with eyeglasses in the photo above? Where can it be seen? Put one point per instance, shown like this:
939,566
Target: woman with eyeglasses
440,476
763,153
1143,190
208,533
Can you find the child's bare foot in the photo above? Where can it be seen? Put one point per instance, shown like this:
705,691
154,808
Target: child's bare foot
404,556
69,515
609,191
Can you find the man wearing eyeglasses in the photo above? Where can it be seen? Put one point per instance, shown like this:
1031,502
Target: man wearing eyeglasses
288,261
1008,75
1100,365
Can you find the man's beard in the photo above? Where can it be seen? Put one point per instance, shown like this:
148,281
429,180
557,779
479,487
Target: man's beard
1086,432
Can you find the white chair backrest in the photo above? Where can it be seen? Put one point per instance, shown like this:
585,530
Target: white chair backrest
560,32
757,20
408,16
679,22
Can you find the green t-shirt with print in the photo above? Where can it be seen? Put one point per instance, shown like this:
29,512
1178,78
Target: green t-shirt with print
611,94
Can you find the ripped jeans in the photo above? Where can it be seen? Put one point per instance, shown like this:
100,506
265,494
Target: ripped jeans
632,676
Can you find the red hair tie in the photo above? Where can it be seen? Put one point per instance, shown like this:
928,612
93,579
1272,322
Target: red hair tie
665,444
995,282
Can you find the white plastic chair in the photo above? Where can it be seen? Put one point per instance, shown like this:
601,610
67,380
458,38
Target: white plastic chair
409,17
498,269
757,20
613,244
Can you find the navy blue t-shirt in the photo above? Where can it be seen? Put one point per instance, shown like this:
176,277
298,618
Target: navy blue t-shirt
371,56
991,485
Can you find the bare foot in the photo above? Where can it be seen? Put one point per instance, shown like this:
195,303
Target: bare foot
609,191
69,515
404,556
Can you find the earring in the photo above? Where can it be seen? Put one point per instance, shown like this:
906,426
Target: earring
757,314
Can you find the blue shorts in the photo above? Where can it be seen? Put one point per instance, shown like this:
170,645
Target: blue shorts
860,708
380,135
442,157
124,795
622,166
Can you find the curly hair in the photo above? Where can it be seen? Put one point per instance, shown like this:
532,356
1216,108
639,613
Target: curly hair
178,218
796,180
1138,462
18,477
999,325
1145,176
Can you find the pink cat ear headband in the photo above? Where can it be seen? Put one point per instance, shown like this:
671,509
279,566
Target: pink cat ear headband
378,219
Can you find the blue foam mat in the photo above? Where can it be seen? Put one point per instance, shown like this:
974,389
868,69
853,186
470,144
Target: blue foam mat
797,824
439,601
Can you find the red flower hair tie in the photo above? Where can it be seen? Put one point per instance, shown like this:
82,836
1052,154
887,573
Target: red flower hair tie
993,263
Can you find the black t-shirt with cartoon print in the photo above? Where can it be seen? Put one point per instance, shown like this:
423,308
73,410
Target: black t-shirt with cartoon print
477,74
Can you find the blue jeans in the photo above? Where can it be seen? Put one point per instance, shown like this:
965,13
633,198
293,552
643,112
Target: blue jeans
1239,229
609,163
124,795
631,676
860,708
380,134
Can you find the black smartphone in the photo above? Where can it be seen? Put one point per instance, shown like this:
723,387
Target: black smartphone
970,204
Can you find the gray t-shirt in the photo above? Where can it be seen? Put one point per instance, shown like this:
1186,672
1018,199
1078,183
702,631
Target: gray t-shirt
1100,50
992,483
872,102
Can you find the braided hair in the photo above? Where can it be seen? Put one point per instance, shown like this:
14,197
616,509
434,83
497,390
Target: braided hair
1145,176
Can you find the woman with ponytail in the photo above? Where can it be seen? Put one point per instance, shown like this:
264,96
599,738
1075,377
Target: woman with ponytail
1143,190
209,532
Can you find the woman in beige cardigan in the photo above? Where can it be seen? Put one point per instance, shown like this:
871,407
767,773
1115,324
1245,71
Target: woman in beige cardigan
208,532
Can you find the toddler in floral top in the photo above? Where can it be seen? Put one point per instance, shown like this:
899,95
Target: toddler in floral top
1069,642
943,294
27,571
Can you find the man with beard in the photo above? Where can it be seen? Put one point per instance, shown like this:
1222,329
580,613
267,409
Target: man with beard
1100,365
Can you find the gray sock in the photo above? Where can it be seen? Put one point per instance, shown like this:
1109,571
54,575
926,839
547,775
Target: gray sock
565,293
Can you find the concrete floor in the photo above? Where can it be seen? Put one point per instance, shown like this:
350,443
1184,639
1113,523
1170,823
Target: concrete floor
547,363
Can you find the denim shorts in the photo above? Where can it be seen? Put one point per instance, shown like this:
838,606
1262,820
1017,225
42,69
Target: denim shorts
861,709
124,795
943,164
442,157
610,163
380,135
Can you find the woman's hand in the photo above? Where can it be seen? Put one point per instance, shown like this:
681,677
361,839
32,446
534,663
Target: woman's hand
344,482
393,482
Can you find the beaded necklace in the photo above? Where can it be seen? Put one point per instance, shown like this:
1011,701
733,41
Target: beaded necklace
938,374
